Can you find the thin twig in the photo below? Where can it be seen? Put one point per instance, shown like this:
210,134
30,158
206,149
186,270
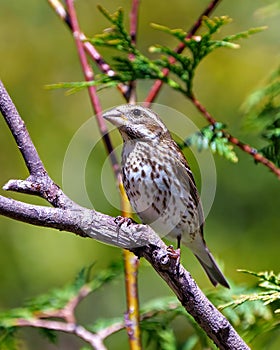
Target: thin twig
133,34
118,326
89,76
209,9
67,314
70,307
258,157
93,339
155,89
90,49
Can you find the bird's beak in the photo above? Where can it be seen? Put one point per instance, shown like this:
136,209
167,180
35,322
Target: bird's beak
115,117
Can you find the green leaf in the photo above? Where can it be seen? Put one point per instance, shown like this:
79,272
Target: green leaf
180,34
8,340
255,310
55,300
198,48
212,137
245,35
266,276
50,334
266,97
262,110
272,153
215,23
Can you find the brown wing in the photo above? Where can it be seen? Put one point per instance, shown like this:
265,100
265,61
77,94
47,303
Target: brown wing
188,183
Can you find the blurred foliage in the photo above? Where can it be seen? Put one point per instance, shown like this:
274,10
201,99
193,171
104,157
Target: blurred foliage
252,312
255,311
262,108
36,50
50,304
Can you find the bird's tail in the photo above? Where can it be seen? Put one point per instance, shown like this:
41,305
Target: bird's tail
207,261
213,272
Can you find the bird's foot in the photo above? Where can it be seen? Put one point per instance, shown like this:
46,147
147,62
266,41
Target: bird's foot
175,254
120,220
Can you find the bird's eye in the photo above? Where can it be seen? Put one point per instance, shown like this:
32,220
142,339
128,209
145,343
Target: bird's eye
136,112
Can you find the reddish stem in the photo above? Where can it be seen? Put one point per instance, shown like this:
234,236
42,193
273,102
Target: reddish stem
235,141
133,34
134,20
89,76
89,48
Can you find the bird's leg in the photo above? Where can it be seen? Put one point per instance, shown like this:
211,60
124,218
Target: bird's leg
178,243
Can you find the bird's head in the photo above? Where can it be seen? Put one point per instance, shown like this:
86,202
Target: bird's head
136,122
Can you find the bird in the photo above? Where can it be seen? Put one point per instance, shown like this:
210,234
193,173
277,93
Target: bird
159,182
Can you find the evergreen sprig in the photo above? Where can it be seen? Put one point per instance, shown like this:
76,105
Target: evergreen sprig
251,313
142,67
49,303
257,310
128,69
212,137
262,109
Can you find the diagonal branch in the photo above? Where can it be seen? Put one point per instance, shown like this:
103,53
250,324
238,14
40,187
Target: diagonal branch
140,239
89,223
81,221
38,183
21,135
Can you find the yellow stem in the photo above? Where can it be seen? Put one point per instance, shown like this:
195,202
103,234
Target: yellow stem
131,284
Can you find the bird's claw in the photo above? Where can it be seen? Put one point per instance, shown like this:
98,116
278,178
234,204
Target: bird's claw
120,220
175,254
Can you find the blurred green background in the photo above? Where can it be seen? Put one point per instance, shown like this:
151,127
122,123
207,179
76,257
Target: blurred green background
242,228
